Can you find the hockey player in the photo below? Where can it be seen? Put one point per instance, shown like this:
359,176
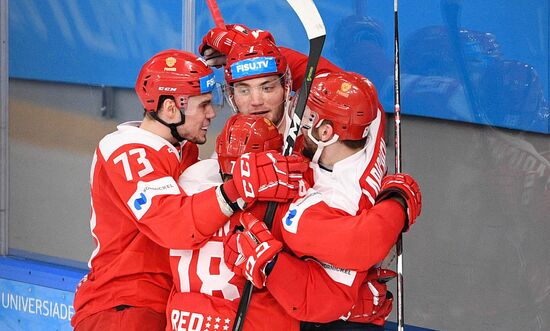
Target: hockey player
342,134
236,42
260,77
206,293
138,208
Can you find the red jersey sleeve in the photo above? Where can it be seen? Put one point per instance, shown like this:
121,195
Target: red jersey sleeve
142,179
297,62
311,228
309,290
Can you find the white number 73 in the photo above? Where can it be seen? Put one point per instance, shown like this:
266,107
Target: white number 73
147,167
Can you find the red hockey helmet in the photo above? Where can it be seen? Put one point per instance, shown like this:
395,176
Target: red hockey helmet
347,99
252,60
245,133
173,73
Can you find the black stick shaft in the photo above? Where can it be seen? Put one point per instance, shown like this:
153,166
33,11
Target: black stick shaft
397,119
315,48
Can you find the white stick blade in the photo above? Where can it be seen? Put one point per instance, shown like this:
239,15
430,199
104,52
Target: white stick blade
310,17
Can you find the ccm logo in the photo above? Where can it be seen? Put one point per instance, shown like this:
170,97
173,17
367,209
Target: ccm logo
245,173
168,89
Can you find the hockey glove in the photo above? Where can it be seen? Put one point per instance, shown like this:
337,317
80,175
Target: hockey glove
265,176
249,252
405,187
374,302
222,40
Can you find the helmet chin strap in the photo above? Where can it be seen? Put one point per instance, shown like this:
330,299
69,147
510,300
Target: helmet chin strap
320,144
172,126
284,123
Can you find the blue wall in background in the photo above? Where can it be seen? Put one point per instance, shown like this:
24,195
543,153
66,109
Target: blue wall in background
479,62
96,42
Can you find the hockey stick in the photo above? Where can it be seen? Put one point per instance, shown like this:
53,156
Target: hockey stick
315,29
216,14
397,119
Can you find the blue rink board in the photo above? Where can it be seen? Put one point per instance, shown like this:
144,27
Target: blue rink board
35,295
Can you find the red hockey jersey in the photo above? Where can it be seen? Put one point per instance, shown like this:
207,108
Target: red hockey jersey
312,222
206,292
137,209
339,208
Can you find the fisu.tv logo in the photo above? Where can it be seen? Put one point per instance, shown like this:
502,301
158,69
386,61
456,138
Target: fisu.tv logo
252,67
207,83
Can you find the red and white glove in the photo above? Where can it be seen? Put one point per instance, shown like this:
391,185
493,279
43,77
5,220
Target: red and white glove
374,302
247,253
405,187
222,40
265,176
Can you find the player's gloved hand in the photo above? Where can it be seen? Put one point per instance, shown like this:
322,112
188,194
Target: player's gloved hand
265,176
214,58
248,253
404,187
373,303
222,40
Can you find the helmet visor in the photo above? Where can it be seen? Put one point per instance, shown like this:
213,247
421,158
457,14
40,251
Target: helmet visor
217,97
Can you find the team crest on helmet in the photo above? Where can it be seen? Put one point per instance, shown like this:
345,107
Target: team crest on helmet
344,89
170,62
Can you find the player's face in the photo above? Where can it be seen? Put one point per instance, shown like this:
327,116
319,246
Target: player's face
310,147
198,114
262,96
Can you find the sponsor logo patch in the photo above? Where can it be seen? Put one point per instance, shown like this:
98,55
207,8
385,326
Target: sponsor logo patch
339,275
140,201
296,209
290,216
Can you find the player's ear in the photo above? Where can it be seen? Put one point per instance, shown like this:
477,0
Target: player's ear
170,108
326,132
